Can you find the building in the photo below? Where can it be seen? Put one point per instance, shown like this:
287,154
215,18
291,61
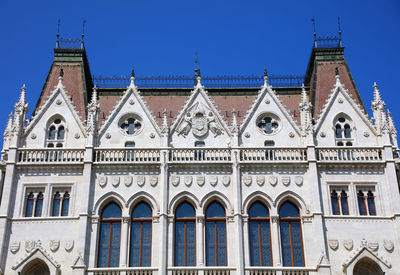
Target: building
184,176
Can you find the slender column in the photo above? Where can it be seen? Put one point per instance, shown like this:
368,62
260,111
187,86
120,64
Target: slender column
124,242
246,241
162,268
275,241
200,243
170,240
93,244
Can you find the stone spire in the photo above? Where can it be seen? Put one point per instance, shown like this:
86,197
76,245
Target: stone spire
132,84
265,77
392,127
378,109
235,126
337,76
20,110
60,78
378,102
93,108
305,112
198,78
7,131
164,126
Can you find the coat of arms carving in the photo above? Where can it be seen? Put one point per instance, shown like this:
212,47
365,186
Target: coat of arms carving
54,245
29,246
69,245
333,244
14,247
153,180
200,180
102,180
298,180
213,180
115,181
348,244
140,180
128,180
175,180
388,244
260,180
188,180
247,180
226,180
273,180
285,180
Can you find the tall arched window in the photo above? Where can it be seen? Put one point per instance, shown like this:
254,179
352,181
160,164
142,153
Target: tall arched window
30,202
39,205
141,235
56,133
185,235
110,236
291,236
216,235
260,235
343,134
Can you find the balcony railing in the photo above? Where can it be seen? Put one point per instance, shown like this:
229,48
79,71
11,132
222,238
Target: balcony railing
349,154
199,155
50,155
126,155
272,270
125,271
273,154
194,270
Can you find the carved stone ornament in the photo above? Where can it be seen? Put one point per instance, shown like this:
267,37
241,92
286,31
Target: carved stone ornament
153,180
128,179
102,180
108,136
131,102
33,136
29,246
273,180
152,135
260,180
298,180
140,180
77,136
246,180
58,102
115,181
291,135
189,179
54,245
333,244
69,245
373,246
348,244
14,247
226,180
267,101
388,245
247,134
213,180
199,118
366,134
340,100
285,181
322,134
175,180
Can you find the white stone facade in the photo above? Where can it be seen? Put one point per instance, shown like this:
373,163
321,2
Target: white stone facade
165,168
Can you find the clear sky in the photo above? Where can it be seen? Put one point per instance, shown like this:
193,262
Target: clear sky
231,37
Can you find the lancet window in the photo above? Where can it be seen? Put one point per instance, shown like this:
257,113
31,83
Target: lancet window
339,202
343,131
56,133
216,235
185,235
141,235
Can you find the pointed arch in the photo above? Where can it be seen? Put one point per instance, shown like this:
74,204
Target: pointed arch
257,196
107,198
181,197
293,197
143,196
216,196
364,253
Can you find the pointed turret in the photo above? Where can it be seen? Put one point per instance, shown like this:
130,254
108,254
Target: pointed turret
93,108
378,110
305,112
235,126
392,128
20,110
7,132
337,76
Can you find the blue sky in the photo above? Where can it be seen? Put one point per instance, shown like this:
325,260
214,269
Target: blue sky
231,37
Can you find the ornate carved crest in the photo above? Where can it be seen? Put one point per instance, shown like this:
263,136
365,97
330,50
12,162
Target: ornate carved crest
153,180
273,180
260,180
298,180
213,180
333,244
29,246
14,247
54,245
200,119
102,180
140,180
388,245
226,180
200,180
247,180
175,180
373,246
115,181
285,181
69,245
128,179
188,180
348,244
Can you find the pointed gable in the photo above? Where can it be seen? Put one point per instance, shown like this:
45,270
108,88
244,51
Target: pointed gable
269,121
341,104
200,120
57,105
130,121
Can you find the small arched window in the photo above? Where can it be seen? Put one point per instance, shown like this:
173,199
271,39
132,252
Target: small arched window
30,202
185,235
339,203
343,130
141,232
110,236
260,235
366,202
56,133
291,235
39,205
216,235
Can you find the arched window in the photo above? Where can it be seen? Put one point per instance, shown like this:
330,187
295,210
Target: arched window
60,204
362,207
39,205
141,235
30,202
343,202
56,133
216,235
65,204
185,235
110,236
56,204
291,236
371,203
260,235
339,203
335,203
34,204
343,133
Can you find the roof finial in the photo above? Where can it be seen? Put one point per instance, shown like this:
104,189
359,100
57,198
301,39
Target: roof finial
315,33
340,33
94,95
196,67
235,126
377,93
83,33
303,94
265,76
61,76
58,34
132,77
22,97
337,76
164,126
392,128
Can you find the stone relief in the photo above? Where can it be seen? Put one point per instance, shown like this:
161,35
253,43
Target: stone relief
128,179
247,180
298,180
102,180
188,180
260,180
14,247
140,180
333,244
200,119
348,244
388,245
273,180
69,245
226,180
213,180
285,181
29,246
54,245
175,180
153,180
373,246
200,180
115,181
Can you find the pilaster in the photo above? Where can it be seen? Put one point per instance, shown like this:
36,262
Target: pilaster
164,198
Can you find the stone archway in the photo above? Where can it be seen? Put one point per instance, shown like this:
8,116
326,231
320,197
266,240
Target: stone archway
366,266
36,267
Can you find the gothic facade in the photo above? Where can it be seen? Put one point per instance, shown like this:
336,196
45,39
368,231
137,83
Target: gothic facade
224,179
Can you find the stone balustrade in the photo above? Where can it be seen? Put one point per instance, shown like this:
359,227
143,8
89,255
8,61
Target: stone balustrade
194,270
349,154
123,271
199,155
50,155
270,270
126,155
273,154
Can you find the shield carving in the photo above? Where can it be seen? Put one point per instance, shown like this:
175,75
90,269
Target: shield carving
102,181
247,180
388,244
200,180
115,181
175,180
30,245
153,180
260,180
128,180
188,180
54,245
14,247
333,244
199,125
69,245
273,180
140,179
213,180
226,180
348,244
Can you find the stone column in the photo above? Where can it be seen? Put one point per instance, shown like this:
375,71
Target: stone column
124,262
275,241
200,243
246,241
164,198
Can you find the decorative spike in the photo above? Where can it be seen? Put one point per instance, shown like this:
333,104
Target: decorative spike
392,127
265,77
198,78
337,77
377,94
10,122
235,127
22,97
60,77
